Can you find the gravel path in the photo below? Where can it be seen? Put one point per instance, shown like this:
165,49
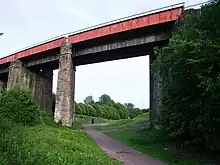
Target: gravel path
120,151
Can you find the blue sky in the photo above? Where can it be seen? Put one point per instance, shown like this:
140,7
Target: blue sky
26,22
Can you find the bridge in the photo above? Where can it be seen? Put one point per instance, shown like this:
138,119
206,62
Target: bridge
133,36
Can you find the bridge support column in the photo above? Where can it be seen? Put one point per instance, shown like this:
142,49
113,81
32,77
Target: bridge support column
2,84
15,77
48,89
155,89
65,109
40,84
43,89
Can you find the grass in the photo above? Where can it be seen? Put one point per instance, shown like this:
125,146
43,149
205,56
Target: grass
51,144
85,120
141,120
146,140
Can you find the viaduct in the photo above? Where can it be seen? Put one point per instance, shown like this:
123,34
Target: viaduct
134,36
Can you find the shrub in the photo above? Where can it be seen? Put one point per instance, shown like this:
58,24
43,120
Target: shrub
11,139
19,106
189,69
78,109
82,108
99,111
90,110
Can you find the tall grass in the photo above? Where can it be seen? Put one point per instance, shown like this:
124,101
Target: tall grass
28,137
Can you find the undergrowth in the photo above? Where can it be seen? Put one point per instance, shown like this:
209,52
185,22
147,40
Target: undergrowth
29,137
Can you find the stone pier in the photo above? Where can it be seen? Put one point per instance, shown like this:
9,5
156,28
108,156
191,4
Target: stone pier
45,86
38,83
64,108
2,84
155,89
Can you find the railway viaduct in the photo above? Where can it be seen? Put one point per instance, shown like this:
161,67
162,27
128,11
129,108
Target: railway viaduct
134,36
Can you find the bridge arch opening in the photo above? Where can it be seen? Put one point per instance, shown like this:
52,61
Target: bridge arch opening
125,80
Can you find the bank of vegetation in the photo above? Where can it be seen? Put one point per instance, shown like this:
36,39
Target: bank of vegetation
189,69
30,137
107,108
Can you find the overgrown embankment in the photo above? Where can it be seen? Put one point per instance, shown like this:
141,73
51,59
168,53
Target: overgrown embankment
137,134
107,108
189,68
28,137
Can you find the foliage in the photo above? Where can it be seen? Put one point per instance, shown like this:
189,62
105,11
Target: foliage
19,106
129,106
85,120
89,100
22,143
148,142
135,112
138,121
105,99
190,77
136,134
52,145
106,108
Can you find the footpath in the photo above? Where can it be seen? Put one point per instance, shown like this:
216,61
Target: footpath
119,151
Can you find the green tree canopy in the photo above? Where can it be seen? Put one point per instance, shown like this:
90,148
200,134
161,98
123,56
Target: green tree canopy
190,77
105,99
89,100
106,108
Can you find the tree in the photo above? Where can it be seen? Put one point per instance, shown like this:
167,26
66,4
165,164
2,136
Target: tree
78,109
90,110
82,108
105,99
106,108
122,111
99,111
129,106
190,72
89,100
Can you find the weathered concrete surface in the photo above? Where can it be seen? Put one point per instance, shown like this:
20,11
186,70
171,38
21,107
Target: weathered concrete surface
1,84
39,85
155,89
45,86
15,78
64,108
150,38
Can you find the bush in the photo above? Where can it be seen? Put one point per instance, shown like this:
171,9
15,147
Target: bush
99,112
19,106
190,72
90,110
78,109
122,111
106,108
11,140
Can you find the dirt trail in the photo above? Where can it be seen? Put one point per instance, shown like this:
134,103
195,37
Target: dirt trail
119,151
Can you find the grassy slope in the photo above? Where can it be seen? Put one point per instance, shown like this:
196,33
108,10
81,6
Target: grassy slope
84,120
126,123
143,139
55,145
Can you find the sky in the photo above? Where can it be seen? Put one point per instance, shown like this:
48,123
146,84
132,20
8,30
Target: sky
26,22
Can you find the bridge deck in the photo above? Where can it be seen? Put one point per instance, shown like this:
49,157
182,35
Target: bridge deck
153,17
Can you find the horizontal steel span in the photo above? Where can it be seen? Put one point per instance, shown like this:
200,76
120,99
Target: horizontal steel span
158,16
